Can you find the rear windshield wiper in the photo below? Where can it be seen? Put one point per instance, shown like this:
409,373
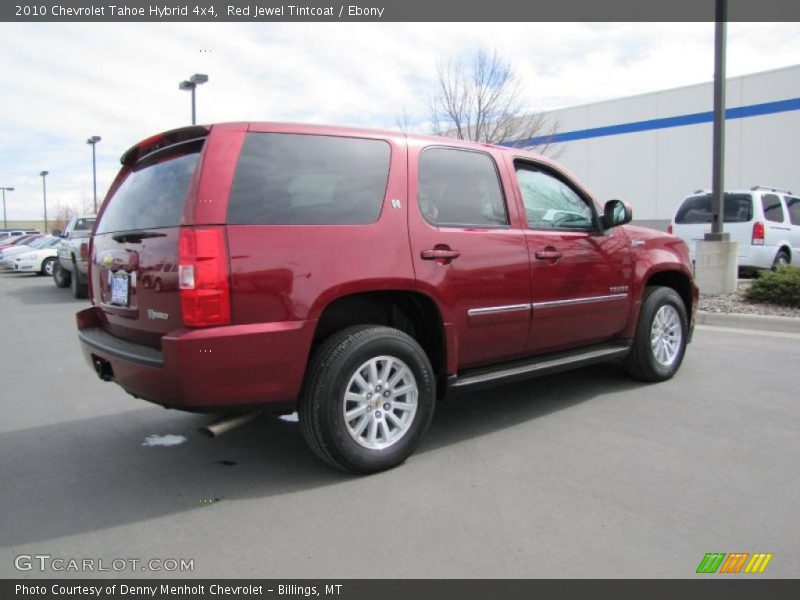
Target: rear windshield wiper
134,237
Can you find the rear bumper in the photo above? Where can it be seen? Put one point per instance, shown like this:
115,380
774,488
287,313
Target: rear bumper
757,257
204,369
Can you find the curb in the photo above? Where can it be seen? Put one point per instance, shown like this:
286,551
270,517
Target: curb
739,321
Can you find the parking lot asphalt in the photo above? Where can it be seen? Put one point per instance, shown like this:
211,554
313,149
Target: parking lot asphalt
582,474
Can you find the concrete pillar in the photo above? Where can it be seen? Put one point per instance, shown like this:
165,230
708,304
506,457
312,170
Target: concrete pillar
716,267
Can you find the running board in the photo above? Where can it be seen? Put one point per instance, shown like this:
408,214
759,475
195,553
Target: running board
539,365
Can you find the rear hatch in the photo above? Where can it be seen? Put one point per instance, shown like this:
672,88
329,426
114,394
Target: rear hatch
134,263
693,219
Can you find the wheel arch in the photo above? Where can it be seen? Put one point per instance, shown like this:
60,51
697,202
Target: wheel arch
678,281
673,278
409,311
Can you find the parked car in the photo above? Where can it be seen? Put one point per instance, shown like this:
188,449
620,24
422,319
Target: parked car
764,221
357,276
160,277
7,255
7,235
70,268
39,261
19,240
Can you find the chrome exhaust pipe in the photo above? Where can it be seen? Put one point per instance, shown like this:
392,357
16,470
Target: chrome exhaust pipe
225,424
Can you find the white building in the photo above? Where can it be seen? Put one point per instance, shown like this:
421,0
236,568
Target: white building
652,150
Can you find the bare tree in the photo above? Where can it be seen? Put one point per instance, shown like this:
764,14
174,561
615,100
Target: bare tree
403,122
85,205
482,101
63,213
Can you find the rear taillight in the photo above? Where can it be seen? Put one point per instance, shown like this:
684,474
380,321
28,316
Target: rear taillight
203,277
669,229
758,234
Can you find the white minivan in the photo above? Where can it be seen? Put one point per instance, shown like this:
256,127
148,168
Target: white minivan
765,222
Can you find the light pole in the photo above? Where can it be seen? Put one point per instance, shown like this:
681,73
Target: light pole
718,134
190,85
93,141
44,195
5,189
716,255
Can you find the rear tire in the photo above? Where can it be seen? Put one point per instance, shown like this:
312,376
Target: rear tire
368,398
781,258
659,344
79,289
61,276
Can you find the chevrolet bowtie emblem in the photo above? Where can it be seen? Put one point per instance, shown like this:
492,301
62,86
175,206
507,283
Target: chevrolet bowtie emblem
108,260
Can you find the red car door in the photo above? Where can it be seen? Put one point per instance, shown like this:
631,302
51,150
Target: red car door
469,250
580,274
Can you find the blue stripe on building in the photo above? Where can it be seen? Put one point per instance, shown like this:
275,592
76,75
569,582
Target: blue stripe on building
741,112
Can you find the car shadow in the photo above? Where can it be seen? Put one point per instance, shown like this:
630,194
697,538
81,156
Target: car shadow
44,292
92,474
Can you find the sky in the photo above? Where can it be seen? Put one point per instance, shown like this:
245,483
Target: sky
62,83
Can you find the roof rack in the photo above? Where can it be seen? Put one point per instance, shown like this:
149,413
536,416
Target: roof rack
769,188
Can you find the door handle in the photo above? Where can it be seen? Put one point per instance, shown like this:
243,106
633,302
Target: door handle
439,254
548,254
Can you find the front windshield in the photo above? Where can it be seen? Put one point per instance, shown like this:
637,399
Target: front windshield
41,242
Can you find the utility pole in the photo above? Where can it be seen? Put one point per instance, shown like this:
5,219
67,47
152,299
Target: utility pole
93,141
5,189
44,196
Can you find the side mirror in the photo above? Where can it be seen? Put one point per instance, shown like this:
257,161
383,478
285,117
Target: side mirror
56,232
615,213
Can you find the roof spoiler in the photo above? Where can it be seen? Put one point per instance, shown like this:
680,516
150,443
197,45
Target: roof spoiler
162,140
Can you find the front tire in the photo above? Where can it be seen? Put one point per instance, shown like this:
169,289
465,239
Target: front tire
368,398
47,266
659,344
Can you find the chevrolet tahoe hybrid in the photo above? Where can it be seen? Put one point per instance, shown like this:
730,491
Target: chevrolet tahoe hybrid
356,276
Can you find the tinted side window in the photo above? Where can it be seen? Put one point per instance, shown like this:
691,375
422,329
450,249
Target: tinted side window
550,203
773,209
289,179
460,188
793,204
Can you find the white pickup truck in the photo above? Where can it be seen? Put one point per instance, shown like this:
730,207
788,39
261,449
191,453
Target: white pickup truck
73,252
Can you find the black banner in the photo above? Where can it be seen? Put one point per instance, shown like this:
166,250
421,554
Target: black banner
393,10
389,589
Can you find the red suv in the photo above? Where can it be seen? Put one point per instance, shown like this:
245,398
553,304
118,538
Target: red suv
358,275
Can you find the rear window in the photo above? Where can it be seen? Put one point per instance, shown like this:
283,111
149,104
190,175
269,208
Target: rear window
84,224
697,209
290,179
153,194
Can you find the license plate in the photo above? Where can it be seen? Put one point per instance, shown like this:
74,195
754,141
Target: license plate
120,289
